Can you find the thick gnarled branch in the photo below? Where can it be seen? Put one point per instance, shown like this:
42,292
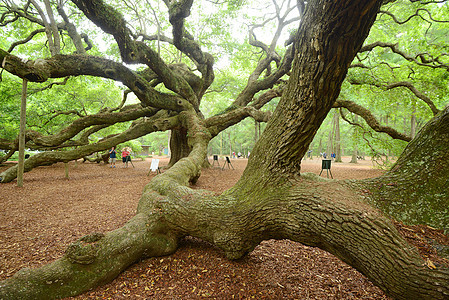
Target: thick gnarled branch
371,119
158,123
112,22
73,65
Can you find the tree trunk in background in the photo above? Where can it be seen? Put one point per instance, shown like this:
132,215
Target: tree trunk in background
23,109
320,147
178,145
330,146
413,124
354,157
354,136
337,137
230,144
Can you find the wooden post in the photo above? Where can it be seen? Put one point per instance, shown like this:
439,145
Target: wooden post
23,105
66,168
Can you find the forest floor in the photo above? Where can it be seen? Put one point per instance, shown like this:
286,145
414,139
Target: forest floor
39,221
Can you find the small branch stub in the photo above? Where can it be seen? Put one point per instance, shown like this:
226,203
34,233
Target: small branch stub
84,251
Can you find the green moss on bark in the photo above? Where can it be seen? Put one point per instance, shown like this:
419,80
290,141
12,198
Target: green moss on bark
416,189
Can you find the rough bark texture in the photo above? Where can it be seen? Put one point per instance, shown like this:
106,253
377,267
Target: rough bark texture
415,190
178,145
271,200
323,54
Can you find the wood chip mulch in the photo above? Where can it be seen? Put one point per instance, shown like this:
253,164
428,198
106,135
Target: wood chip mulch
38,222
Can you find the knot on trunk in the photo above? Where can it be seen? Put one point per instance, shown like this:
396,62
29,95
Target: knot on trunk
35,70
84,251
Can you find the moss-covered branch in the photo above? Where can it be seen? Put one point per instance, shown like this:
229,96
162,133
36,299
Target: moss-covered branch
423,162
73,65
142,128
92,260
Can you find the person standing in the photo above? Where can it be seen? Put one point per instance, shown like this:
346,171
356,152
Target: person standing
125,157
112,157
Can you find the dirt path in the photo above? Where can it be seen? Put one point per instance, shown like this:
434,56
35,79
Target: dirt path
38,222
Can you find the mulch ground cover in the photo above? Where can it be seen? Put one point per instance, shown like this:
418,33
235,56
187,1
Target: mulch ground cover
39,221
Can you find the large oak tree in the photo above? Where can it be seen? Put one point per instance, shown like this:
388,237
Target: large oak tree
272,199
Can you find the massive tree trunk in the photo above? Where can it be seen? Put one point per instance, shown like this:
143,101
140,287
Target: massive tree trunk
179,147
416,189
271,200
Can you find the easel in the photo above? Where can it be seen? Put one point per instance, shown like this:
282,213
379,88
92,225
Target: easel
128,159
228,163
154,166
215,160
326,165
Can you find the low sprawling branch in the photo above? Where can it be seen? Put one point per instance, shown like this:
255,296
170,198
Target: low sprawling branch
159,122
36,140
370,119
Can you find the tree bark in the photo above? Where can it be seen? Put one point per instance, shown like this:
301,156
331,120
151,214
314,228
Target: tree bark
415,190
23,110
179,147
354,158
337,137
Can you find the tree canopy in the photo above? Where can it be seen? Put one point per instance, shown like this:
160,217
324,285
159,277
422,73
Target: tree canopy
403,58
191,70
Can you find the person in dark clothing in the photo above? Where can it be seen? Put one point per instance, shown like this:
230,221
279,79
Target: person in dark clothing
112,157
